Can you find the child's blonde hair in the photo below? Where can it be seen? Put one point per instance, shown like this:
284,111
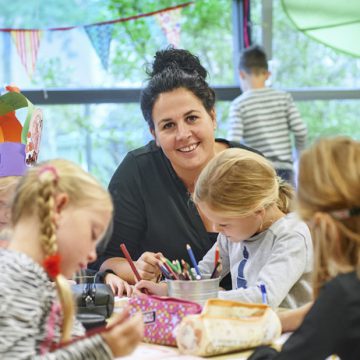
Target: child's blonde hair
238,182
7,183
329,181
36,193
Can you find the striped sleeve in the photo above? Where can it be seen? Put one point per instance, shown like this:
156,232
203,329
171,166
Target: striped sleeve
236,127
30,316
92,348
296,125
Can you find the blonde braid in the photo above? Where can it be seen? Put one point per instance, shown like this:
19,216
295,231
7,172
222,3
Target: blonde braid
46,205
46,212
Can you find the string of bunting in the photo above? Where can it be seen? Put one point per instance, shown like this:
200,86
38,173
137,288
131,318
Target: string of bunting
27,41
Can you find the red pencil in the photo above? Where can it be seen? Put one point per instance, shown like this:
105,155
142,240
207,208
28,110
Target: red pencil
131,263
216,255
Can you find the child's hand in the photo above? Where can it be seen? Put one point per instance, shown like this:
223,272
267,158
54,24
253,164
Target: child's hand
118,286
125,333
159,289
147,266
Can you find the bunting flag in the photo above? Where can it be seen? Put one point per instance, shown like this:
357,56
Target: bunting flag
170,24
27,41
27,44
100,37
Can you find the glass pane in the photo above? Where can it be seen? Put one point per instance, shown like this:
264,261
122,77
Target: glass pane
98,136
300,62
330,118
94,136
67,59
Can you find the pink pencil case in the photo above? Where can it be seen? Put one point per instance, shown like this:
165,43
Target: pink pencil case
161,316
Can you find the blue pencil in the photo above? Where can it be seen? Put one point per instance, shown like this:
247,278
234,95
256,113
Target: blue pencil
192,258
263,293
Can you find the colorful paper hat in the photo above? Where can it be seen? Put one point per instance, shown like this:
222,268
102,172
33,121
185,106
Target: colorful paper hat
19,145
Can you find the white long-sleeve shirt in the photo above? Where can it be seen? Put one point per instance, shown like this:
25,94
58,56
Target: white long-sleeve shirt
280,257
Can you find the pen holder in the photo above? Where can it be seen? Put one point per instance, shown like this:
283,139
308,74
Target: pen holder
194,290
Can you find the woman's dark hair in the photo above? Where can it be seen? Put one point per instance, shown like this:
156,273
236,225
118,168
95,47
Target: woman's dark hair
173,69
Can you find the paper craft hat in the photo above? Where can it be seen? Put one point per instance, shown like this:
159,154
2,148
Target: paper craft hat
19,145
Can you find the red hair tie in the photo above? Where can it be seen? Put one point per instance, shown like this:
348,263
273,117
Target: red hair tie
52,265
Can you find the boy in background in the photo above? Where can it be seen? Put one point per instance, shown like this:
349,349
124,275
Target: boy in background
264,118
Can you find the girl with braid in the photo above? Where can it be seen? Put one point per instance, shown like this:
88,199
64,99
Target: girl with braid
59,213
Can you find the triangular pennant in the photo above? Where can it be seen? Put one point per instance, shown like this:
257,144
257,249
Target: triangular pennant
100,37
27,43
170,25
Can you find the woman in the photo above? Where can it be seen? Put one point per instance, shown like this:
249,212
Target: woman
151,188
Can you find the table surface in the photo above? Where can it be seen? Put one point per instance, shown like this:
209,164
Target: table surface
147,351
159,352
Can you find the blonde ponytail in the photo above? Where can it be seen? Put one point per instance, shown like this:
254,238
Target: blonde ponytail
329,176
286,196
239,182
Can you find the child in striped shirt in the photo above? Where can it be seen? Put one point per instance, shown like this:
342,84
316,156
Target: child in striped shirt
59,214
264,118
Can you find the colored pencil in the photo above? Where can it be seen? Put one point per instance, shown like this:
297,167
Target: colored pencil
217,255
164,270
263,293
132,265
214,273
192,258
171,271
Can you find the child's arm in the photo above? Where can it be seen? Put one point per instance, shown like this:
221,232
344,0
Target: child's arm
292,319
296,125
159,289
117,339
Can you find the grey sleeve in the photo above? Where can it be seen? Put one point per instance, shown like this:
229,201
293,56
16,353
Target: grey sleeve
285,266
207,264
296,125
20,322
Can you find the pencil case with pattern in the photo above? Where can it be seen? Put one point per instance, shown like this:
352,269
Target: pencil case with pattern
161,316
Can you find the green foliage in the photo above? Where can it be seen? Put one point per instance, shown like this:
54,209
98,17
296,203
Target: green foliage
205,30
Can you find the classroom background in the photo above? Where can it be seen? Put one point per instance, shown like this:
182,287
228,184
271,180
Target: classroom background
83,62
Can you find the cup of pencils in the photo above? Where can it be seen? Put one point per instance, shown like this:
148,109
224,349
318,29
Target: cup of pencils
194,290
186,282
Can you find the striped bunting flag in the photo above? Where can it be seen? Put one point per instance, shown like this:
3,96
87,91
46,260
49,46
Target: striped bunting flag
27,43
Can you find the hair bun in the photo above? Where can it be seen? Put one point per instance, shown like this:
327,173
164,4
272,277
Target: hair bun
177,58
